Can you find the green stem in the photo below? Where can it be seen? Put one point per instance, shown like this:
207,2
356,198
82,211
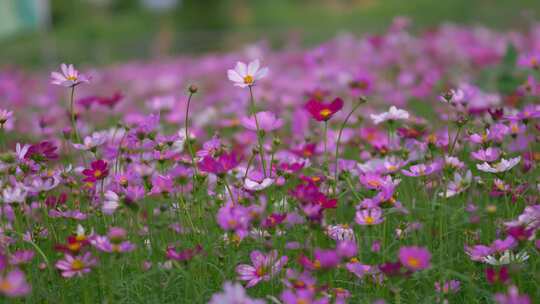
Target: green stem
188,141
72,114
259,137
362,100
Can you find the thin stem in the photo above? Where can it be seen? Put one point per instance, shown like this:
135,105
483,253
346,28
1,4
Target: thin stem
190,148
248,166
339,139
325,145
454,142
228,188
259,137
72,114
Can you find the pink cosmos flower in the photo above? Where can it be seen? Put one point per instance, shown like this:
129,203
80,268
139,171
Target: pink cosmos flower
300,296
233,294
69,77
512,297
368,217
246,75
263,269
14,284
423,169
488,155
5,115
323,111
268,121
414,258
76,265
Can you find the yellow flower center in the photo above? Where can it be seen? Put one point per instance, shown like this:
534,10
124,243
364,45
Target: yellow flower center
369,220
302,301
74,246
325,113
260,271
97,173
71,78
77,264
232,222
413,262
248,79
374,183
5,286
317,264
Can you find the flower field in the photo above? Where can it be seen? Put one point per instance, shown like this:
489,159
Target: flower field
392,168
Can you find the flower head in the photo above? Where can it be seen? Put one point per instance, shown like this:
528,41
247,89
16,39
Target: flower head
246,75
267,121
263,269
414,258
69,77
323,111
392,115
233,294
76,265
98,171
14,284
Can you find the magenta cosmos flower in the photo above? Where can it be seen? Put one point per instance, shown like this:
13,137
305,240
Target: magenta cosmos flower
220,165
268,121
99,170
321,111
246,75
414,258
76,266
69,77
263,269
14,284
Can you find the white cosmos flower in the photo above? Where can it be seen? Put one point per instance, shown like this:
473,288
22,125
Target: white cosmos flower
246,75
508,257
14,195
458,185
90,142
502,166
392,114
253,185
111,203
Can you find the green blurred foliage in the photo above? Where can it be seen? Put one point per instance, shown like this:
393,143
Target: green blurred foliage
83,32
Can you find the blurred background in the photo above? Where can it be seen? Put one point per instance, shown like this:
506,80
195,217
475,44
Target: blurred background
38,33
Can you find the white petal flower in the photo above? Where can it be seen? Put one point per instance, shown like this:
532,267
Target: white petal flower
246,75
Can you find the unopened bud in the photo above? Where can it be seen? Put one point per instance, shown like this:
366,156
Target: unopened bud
193,89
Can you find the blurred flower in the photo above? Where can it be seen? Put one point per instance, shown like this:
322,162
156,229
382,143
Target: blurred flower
233,293
76,265
268,121
502,166
392,115
414,258
13,284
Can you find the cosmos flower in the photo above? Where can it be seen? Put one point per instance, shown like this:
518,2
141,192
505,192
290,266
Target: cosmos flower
13,284
98,171
233,293
92,142
220,165
323,111
69,77
414,258
72,266
502,166
341,232
368,217
488,155
264,267
244,76
111,202
268,121
512,297
5,115
392,115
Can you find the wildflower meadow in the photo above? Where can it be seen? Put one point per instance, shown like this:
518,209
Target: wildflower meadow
399,167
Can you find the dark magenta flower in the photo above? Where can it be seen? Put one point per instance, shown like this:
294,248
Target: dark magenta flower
321,111
220,165
99,170
43,151
494,276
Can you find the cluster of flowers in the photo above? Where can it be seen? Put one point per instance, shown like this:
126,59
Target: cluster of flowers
338,189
